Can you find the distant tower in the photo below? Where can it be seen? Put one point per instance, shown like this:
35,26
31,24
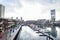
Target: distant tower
21,18
16,17
2,11
11,17
53,15
53,28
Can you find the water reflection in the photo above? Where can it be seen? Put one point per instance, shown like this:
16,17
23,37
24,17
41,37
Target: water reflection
28,34
58,32
53,31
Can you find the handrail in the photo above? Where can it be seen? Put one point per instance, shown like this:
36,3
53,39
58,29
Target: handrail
47,35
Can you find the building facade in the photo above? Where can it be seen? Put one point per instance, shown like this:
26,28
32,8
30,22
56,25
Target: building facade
53,15
53,28
2,11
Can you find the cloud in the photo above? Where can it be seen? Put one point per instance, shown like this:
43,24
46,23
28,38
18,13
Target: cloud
31,9
44,2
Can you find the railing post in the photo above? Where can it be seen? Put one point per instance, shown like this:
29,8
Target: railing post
47,38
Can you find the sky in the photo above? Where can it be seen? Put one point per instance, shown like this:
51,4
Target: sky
31,9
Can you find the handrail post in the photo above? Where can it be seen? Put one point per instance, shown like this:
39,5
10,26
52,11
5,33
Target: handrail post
47,38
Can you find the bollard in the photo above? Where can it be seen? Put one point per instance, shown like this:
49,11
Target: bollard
46,38
6,35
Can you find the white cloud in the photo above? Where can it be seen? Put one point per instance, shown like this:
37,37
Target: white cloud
31,9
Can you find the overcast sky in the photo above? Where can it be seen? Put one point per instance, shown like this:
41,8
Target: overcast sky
31,9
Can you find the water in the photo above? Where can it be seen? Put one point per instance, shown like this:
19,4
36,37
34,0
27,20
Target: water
58,32
28,34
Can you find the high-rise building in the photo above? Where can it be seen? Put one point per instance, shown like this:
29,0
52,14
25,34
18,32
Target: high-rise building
2,11
53,28
53,15
21,18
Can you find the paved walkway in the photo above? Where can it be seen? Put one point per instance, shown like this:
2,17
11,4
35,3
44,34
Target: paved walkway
13,34
9,35
2,36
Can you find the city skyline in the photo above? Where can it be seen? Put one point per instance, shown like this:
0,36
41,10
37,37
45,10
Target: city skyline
31,9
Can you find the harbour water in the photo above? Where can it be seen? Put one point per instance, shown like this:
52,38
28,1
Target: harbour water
28,34
58,32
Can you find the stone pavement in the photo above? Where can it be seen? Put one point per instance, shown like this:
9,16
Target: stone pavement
2,36
9,35
13,33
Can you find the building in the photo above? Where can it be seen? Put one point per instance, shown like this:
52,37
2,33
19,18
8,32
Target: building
53,15
2,11
42,21
21,18
53,28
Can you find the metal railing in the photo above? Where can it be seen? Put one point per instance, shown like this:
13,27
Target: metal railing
48,35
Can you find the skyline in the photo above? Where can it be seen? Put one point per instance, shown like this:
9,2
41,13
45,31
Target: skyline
31,9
